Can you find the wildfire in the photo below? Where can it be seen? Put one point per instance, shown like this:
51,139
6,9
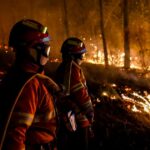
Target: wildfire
97,57
134,100
138,102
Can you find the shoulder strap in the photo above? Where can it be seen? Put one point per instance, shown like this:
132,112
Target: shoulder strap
67,77
49,83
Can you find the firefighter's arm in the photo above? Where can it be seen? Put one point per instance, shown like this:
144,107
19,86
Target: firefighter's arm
84,101
80,94
22,117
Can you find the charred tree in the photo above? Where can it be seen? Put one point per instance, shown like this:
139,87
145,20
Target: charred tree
103,33
126,35
141,39
65,18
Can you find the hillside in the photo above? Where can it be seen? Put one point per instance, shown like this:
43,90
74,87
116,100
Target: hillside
122,107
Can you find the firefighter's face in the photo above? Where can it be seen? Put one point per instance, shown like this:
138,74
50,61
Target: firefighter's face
79,61
79,58
43,60
40,52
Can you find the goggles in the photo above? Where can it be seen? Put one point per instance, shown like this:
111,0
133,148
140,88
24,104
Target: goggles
43,49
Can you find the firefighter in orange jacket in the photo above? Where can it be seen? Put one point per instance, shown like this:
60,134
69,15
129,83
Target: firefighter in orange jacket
27,113
71,76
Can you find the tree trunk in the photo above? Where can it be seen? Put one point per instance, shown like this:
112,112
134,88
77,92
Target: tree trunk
66,18
126,35
103,34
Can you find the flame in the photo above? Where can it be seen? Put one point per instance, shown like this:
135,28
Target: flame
97,57
134,108
139,102
104,93
113,85
127,89
113,97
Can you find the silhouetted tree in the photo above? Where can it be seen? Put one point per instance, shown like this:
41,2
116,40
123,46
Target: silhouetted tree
103,33
65,12
126,35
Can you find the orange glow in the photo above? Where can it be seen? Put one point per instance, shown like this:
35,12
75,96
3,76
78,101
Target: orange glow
6,47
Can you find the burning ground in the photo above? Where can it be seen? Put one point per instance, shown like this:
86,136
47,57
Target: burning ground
122,107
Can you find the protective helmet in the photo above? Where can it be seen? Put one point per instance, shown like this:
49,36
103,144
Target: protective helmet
73,46
29,33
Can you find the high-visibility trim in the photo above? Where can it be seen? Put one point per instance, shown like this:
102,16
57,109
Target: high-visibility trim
74,63
87,103
77,87
72,42
44,30
87,106
44,117
23,118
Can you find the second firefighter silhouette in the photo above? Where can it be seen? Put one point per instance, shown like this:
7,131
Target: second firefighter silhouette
77,101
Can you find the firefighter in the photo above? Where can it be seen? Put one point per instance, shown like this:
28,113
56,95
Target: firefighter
27,111
77,101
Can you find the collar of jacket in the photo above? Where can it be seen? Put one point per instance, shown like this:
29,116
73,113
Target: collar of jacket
29,67
74,63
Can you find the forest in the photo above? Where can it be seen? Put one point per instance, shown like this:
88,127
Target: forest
116,32
117,37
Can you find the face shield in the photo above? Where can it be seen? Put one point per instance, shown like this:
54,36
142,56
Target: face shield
42,49
45,46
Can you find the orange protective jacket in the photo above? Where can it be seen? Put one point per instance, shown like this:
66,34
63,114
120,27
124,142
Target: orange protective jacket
33,118
70,75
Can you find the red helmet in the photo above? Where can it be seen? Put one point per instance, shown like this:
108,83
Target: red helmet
73,46
27,32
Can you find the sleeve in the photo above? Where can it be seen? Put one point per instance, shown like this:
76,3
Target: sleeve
22,116
80,94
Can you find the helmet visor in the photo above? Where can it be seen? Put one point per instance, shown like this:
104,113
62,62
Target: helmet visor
46,51
43,49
